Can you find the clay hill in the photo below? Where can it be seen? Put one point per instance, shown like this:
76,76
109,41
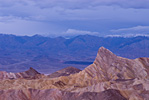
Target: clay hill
110,77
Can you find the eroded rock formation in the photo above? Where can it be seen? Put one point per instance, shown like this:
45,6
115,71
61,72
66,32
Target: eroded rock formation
64,72
29,74
109,78
54,94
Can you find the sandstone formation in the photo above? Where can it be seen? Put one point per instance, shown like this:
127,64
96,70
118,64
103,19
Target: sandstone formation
64,72
54,94
109,78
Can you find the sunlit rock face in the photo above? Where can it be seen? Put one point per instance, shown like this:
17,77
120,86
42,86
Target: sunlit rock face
109,76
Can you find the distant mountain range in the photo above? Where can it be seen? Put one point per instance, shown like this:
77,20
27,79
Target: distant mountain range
18,53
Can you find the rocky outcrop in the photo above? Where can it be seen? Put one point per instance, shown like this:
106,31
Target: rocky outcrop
107,66
129,76
29,74
109,76
64,72
54,94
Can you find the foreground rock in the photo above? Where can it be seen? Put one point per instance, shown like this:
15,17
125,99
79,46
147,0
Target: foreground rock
64,72
53,94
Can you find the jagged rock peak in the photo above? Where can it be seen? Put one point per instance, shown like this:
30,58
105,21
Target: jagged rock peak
32,70
103,52
104,56
107,66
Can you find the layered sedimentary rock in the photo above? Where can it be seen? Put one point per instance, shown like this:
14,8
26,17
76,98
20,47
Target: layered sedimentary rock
54,94
129,78
107,66
29,74
64,72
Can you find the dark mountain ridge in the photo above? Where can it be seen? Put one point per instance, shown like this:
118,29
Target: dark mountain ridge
18,53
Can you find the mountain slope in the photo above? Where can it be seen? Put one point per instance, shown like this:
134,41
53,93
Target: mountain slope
109,75
18,53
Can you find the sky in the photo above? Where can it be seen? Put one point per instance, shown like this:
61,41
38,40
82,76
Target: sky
74,17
